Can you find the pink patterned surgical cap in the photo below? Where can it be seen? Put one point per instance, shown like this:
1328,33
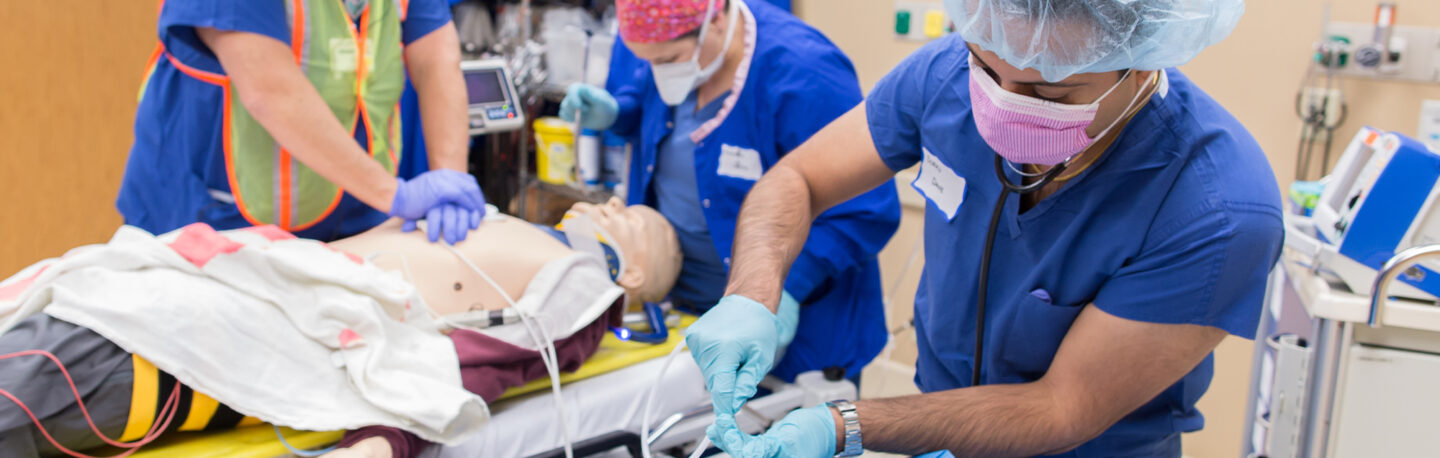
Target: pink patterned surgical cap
657,21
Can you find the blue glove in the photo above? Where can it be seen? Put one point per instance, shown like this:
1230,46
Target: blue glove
449,221
450,201
804,433
597,108
734,343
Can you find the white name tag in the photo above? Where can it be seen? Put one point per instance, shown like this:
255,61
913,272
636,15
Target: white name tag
742,163
344,56
940,185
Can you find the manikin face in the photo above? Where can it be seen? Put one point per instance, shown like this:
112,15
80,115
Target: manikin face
652,253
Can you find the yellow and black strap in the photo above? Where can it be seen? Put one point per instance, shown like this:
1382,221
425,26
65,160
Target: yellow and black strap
196,412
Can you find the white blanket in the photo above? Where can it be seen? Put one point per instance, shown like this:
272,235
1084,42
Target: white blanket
286,330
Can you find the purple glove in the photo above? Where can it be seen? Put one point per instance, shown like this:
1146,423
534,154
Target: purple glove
450,201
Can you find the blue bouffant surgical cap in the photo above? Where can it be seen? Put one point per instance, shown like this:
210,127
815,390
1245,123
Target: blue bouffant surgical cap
1064,37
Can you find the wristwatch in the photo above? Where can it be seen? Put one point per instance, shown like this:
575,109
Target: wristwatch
852,427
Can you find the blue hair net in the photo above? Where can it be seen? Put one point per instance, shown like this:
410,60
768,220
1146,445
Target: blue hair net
1064,37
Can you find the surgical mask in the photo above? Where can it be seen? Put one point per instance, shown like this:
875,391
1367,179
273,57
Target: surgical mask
1028,130
675,80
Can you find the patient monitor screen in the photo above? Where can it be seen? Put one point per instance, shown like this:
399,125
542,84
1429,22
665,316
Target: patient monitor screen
484,87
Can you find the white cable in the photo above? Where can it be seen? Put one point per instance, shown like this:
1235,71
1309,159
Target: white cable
547,351
909,262
405,263
700,450
890,300
650,399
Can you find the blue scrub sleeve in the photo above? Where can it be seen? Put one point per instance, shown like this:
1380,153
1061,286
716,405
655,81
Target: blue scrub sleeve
425,16
897,103
1207,266
179,18
629,82
815,85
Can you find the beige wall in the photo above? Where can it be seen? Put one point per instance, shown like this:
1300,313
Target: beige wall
1255,74
70,72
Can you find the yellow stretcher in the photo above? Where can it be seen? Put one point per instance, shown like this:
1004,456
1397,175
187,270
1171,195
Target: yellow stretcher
259,441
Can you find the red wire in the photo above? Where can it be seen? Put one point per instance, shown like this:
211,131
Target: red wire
173,402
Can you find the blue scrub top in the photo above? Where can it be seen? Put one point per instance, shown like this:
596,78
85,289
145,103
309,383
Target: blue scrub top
702,272
175,174
1179,222
797,83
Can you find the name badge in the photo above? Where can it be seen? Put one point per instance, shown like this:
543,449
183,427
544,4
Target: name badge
940,185
742,163
344,57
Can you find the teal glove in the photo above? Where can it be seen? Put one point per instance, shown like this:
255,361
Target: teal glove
597,108
789,316
734,344
804,433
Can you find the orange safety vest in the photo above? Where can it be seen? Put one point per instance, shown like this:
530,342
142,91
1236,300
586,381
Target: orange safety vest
358,71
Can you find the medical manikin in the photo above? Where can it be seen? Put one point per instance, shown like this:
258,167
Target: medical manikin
494,353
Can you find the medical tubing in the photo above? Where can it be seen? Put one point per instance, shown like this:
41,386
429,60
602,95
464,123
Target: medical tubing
984,286
700,449
297,451
650,400
133,446
1007,187
548,355
168,412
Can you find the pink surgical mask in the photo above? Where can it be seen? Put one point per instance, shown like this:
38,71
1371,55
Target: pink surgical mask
1027,130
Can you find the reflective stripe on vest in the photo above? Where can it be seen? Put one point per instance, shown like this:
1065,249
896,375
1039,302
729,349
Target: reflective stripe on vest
360,80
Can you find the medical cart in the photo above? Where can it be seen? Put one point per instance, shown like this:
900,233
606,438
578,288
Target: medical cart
1348,349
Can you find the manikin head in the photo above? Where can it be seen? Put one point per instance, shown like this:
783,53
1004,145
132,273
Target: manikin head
648,241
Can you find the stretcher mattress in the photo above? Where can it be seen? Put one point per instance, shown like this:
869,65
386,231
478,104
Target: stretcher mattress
610,402
604,395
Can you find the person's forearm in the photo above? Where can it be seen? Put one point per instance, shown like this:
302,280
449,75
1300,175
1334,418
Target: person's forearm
991,420
263,74
434,64
769,234
295,115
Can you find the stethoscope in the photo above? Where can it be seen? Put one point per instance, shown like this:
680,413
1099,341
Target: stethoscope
1041,180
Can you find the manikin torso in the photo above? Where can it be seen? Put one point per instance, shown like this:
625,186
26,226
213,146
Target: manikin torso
509,250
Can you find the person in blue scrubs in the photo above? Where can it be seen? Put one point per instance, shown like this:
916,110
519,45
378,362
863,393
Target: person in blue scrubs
220,59
725,90
1108,288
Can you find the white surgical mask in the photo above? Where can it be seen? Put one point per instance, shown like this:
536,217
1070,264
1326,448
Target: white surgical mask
675,80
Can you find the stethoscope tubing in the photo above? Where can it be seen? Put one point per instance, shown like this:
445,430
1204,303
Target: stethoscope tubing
1007,188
